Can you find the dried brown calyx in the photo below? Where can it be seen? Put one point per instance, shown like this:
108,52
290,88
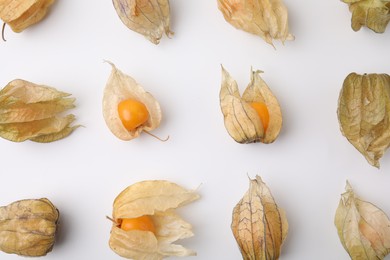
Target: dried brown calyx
266,18
28,227
254,117
375,14
145,224
151,18
32,112
259,225
363,228
20,14
363,113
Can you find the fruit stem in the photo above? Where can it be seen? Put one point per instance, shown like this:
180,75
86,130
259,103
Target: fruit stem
158,138
2,32
113,220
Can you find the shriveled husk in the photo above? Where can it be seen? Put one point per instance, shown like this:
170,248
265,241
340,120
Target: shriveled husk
266,18
364,114
363,228
241,120
157,199
33,112
259,225
151,18
375,14
121,87
20,14
28,227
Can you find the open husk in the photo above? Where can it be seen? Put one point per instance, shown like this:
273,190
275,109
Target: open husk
20,14
266,18
34,112
259,225
150,18
375,14
363,113
28,227
120,87
241,120
157,199
363,228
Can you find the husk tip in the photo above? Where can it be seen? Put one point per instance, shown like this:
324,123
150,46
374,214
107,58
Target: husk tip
111,63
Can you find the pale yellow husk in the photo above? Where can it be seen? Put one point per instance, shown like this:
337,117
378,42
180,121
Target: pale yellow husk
363,113
28,227
34,112
157,199
375,14
363,228
151,18
241,120
259,225
20,14
120,87
266,18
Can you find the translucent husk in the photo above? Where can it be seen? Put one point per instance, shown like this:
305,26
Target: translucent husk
375,14
363,228
266,18
33,112
259,225
157,199
150,18
363,113
120,87
20,14
28,227
241,120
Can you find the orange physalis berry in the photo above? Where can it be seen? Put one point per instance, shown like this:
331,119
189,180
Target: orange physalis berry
132,113
144,223
262,112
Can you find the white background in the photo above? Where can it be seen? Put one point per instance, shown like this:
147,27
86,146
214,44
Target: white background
306,168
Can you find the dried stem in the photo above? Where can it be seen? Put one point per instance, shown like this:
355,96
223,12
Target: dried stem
158,138
2,32
113,220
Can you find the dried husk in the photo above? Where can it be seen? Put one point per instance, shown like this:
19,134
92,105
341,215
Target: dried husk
363,228
33,112
259,225
241,120
28,227
157,199
121,87
363,113
375,14
266,18
20,14
150,18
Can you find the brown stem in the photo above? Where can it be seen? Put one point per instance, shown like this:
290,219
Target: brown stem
113,220
2,32
158,138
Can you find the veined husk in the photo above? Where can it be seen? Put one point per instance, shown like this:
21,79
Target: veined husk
28,227
32,112
20,14
121,87
157,199
150,18
375,14
363,228
259,225
241,120
266,18
363,113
